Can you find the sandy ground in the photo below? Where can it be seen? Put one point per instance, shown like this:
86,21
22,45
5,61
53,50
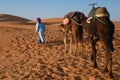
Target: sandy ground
22,58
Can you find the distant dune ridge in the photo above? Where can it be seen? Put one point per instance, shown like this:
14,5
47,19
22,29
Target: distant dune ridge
21,57
7,17
11,20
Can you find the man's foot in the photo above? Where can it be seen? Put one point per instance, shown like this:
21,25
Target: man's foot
41,42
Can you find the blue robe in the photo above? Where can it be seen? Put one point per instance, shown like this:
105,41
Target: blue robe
40,28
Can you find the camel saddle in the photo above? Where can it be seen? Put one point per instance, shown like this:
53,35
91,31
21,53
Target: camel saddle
98,12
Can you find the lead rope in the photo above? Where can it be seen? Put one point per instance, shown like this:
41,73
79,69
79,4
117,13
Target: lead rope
76,22
95,17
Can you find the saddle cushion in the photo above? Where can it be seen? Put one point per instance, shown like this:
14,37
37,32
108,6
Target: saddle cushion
101,11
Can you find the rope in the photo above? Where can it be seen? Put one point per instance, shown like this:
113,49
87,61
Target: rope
76,22
95,17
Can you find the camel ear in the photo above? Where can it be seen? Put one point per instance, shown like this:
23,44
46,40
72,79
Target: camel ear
61,25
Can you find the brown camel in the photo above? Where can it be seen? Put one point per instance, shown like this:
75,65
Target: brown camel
101,28
72,29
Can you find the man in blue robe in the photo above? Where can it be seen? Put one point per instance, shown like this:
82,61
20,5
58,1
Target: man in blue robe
40,29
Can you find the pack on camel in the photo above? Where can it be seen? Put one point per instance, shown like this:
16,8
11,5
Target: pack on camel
99,27
71,28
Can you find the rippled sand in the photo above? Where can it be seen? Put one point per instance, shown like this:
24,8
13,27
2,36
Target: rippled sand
22,58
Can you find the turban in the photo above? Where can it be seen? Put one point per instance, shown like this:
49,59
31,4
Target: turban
39,20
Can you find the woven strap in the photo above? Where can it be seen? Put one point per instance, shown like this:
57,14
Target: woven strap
95,17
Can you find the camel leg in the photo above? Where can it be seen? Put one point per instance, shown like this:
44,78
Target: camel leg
109,52
93,51
107,42
65,43
75,43
106,68
109,62
110,65
82,48
71,41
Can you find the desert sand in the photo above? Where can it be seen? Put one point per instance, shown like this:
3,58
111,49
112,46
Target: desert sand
22,58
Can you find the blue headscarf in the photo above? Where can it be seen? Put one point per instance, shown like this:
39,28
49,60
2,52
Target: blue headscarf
39,20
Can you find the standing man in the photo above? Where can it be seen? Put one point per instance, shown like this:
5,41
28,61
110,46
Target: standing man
40,29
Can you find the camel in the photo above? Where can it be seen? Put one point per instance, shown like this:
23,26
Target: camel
71,28
101,28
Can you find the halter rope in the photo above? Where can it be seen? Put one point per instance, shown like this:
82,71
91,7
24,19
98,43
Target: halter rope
95,17
76,22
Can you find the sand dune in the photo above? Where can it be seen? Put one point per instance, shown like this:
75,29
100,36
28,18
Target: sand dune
7,20
11,18
22,58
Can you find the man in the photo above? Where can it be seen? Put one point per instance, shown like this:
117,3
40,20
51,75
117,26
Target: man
40,29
